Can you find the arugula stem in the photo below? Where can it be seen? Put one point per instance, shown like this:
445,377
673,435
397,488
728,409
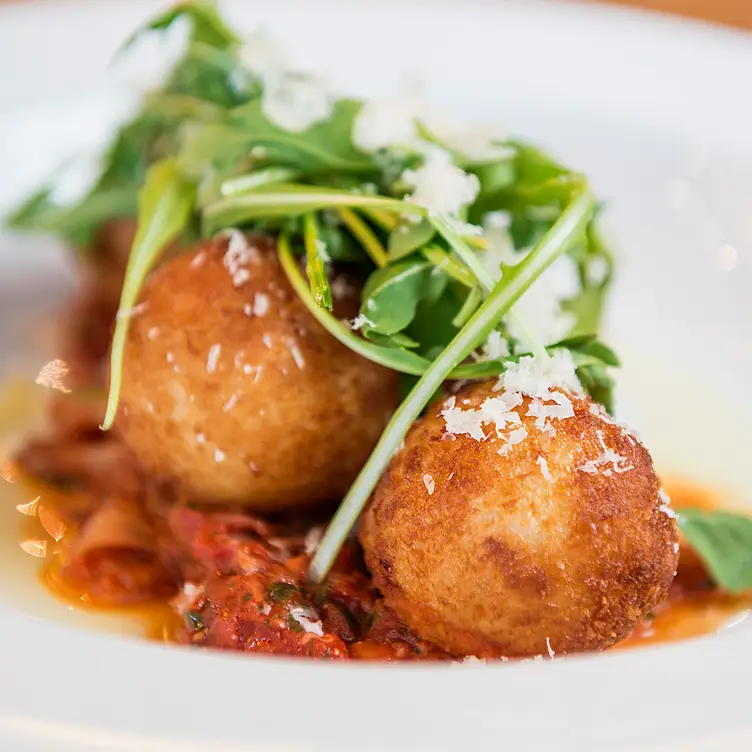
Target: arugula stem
252,180
385,220
568,228
486,280
365,235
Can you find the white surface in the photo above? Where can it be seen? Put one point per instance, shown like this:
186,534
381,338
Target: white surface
656,112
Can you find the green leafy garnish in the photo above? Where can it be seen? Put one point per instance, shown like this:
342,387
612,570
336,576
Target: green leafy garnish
281,592
566,231
195,621
723,541
204,155
165,208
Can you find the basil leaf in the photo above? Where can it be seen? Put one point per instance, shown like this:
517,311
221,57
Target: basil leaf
391,295
165,208
408,237
723,540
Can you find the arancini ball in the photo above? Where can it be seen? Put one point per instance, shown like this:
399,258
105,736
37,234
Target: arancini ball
232,388
520,521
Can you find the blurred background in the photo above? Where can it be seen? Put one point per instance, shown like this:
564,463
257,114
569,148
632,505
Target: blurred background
733,12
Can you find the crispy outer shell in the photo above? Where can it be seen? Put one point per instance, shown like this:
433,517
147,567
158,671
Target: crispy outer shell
232,388
499,560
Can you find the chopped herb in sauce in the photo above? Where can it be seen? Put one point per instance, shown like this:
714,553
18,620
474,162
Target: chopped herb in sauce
281,592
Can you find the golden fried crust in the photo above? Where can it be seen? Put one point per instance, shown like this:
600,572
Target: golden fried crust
231,387
501,561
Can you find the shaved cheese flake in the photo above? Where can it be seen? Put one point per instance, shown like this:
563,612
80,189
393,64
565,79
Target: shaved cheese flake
543,464
297,356
665,506
198,260
267,340
295,102
459,421
359,322
313,539
212,358
515,437
307,620
388,122
263,55
536,378
608,457
184,600
260,304
494,347
219,455
549,649
239,253
248,310
153,333
429,483
230,403
440,186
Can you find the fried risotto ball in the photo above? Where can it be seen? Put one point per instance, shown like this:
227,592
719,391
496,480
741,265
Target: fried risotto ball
232,388
498,534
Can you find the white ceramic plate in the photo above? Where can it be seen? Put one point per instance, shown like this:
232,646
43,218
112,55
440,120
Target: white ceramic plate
656,112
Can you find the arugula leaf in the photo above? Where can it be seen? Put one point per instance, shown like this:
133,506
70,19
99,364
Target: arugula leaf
165,208
408,237
207,25
326,145
723,541
316,259
391,296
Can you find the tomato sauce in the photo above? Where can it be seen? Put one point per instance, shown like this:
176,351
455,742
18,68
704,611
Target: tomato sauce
262,583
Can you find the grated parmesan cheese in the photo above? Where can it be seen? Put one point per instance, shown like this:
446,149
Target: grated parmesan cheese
536,378
304,617
212,358
219,455
429,483
184,600
607,457
267,340
312,539
359,322
153,333
200,438
440,186
543,464
387,122
260,304
198,260
665,506
248,310
239,253
549,649
295,102
494,347
297,356
515,437
230,403
263,56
